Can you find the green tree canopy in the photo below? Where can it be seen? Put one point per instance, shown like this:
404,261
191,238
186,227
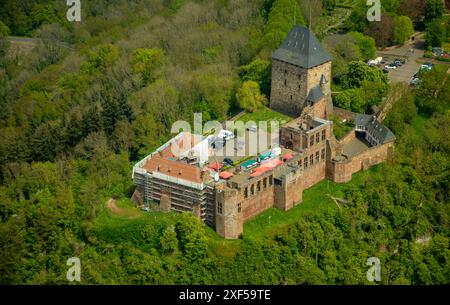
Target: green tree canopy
351,99
282,17
435,33
98,61
390,6
146,61
4,30
168,240
249,96
359,72
366,45
258,71
403,29
434,9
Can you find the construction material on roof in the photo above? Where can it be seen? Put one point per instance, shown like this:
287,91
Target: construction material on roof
226,175
265,156
276,151
256,174
176,169
249,163
215,166
266,167
273,163
288,156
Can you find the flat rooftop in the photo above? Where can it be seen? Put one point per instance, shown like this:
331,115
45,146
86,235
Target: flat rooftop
355,147
250,145
308,124
238,150
243,177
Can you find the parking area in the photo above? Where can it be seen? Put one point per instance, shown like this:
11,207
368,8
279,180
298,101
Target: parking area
410,53
403,74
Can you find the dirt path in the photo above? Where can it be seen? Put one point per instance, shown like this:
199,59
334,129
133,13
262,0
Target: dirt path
114,208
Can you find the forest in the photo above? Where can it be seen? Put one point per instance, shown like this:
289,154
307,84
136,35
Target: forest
94,97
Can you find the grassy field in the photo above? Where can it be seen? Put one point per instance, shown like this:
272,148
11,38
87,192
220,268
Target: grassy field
265,114
133,226
341,129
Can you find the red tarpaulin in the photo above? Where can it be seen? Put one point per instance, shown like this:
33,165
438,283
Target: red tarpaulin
272,163
288,156
266,167
225,175
256,174
214,166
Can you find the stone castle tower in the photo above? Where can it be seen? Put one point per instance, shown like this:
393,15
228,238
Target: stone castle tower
301,75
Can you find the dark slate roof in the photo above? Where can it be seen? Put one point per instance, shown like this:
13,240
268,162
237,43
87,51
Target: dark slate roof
302,48
362,119
315,94
375,128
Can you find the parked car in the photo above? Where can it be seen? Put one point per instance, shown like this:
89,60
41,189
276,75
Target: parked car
438,51
415,81
228,161
427,66
390,67
376,61
398,62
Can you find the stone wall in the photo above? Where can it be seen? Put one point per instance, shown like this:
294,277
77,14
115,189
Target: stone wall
165,204
237,208
315,74
289,88
348,137
289,192
229,222
257,203
299,140
313,175
291,85
342,171
320,108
